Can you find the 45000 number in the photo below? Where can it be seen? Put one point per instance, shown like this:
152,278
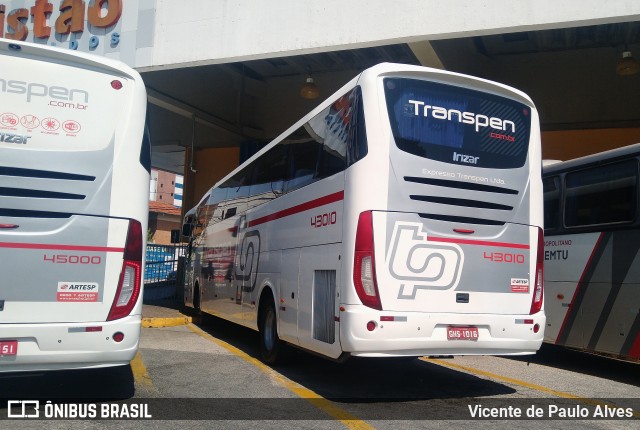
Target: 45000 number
73,259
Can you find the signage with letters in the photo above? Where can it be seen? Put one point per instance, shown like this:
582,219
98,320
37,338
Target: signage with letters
70,17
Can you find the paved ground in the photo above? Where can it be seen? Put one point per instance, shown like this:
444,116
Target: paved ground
165,313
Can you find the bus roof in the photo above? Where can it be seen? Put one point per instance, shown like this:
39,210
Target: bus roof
601,157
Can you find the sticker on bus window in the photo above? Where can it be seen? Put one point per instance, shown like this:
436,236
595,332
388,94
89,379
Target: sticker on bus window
78,292
519,285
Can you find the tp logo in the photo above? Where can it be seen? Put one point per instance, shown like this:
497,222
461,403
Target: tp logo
420,263
247,257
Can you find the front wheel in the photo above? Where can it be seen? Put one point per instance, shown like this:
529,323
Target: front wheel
273,350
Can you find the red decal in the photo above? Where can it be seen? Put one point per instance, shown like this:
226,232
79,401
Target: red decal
331,198
579,286
77,297
504,257
50,246
635,348
324,219
479,242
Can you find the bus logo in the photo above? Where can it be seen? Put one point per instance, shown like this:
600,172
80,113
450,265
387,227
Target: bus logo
247,257
421,264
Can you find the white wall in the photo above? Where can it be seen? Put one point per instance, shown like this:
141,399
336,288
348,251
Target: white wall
156,34
191,32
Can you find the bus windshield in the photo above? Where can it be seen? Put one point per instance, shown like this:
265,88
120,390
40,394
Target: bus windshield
457,125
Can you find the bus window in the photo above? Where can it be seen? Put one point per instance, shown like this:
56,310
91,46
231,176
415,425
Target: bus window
304,156
601,195
551,202
444,123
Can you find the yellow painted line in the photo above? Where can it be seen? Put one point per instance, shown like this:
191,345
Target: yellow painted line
140,374
165,322
350,421
514,381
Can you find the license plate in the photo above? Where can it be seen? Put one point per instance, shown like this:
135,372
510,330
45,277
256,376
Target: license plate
8,347
462,333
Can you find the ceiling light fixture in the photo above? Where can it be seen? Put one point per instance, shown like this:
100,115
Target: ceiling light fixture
309,89
627,65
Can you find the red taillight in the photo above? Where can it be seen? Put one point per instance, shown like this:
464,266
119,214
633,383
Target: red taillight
130,276
364,269
538,287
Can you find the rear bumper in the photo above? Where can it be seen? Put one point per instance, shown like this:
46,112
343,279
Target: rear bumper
69,346
417,334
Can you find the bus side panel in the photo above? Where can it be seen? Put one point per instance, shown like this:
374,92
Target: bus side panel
605,272
566,261
319,279
68,274
289,297
420,269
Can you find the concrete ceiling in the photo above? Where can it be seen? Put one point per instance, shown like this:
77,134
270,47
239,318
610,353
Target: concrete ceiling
569,73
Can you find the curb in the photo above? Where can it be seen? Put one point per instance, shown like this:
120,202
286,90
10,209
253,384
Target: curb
165,322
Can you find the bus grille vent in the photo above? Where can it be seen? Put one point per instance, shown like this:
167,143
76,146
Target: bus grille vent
461,219
462,202
324,293
460,185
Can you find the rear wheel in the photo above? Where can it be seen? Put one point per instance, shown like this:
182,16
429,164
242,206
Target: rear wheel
196,299
273,350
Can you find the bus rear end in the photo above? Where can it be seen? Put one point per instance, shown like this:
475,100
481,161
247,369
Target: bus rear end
448,259
73,209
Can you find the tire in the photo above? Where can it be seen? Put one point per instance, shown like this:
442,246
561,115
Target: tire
196,300
273,350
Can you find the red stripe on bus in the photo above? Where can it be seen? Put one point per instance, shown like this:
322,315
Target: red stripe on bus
579,286
479,242
635,348
58,247
331,198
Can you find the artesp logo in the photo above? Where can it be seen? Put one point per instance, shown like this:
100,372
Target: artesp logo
422,264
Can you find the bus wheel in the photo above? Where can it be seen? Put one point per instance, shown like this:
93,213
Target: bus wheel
272,349
196,299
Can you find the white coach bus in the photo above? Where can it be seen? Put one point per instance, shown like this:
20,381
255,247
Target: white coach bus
401,217
592,252
74,191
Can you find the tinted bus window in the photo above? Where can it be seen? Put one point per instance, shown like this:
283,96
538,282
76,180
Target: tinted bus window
601,195
551,202
457,125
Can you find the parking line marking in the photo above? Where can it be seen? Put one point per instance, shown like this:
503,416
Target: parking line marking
140,375
350,421
525,384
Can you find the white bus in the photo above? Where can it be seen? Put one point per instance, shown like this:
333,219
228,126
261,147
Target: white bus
74,191
401,217
592,252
